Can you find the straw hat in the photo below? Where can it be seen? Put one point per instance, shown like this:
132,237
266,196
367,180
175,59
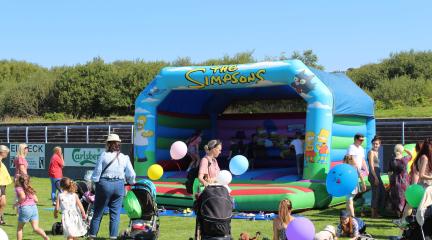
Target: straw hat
113,138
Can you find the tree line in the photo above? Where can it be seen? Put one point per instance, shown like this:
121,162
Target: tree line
98,88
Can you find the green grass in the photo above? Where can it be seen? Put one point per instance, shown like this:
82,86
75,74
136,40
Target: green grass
67,119
178,227
404,112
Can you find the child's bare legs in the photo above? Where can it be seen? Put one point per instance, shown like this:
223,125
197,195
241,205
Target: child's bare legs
2,206
38,230
350,206
20,230
407,211
71,238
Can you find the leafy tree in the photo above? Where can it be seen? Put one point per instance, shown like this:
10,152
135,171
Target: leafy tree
239,58
182,61
307,57
28,98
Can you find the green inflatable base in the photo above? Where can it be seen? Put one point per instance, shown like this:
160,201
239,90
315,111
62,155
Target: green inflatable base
262,196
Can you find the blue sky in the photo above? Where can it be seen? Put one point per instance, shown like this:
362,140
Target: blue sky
342,33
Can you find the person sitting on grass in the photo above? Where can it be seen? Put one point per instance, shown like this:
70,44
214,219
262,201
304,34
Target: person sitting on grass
284,217
350,226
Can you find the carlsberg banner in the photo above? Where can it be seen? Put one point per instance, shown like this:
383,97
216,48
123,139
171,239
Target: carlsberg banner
82,157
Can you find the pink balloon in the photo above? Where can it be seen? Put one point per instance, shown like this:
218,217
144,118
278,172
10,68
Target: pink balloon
178,150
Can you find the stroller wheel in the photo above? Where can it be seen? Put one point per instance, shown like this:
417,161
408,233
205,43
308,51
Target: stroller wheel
124,236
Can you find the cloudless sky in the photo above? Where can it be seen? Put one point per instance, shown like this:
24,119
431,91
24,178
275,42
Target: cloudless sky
342,33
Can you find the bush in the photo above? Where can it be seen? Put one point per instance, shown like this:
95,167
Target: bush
27,98
402,91
56,116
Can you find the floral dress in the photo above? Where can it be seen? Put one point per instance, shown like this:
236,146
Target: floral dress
398,182
73,224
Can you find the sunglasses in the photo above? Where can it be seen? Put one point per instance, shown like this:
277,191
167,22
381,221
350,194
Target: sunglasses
360,139
26,148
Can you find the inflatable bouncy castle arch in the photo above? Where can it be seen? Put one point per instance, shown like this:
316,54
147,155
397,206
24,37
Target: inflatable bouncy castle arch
182,99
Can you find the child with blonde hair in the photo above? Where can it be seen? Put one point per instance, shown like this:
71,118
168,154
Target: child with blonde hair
73,213
349,159
27,209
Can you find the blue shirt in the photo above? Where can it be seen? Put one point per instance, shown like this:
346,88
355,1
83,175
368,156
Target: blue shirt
121,168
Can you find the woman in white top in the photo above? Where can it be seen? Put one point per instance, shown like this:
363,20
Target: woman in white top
111,171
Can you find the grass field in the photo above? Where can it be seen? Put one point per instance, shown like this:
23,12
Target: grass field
404,112
178,227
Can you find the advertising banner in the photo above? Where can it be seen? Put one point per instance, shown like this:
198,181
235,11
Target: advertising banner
35,156
81,156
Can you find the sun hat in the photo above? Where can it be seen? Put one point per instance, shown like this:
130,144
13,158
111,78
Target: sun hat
113,138
344,214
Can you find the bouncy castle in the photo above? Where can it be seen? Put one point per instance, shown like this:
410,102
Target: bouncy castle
183,100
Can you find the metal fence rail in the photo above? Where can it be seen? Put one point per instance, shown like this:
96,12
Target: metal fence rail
404,131
392,132
65,133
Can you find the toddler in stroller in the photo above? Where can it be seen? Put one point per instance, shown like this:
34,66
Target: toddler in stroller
141,207
214,211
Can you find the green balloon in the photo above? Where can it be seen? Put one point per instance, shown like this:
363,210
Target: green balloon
132,205
414,195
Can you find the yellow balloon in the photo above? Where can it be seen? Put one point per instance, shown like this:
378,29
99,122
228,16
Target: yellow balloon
411,148
155,172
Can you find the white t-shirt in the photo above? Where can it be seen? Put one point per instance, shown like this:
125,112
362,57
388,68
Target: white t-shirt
298,146
358,153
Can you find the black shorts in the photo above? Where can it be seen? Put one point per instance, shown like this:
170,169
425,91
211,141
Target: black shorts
2,190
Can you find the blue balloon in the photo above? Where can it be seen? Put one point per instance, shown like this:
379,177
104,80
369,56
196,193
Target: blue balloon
341,180
238,165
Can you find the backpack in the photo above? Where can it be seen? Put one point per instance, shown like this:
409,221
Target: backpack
57,228
191,175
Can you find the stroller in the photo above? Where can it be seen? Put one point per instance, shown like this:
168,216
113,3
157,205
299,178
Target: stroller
144,218
85,192
413,231
214,211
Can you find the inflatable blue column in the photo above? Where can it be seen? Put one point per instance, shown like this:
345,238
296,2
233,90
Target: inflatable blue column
319,119
145,127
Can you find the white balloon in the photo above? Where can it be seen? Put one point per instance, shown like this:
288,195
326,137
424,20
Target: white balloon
224,177
178,150
3,235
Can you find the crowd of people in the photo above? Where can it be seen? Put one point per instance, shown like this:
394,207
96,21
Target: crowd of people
114,168
111,172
